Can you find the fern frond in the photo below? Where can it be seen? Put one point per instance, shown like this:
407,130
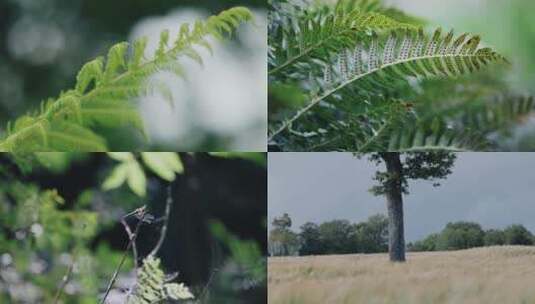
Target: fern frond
404,55
320,33
151,285
104,87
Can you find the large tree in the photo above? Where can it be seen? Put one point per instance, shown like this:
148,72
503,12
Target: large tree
393,183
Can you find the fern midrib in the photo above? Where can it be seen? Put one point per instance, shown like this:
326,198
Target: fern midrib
342,85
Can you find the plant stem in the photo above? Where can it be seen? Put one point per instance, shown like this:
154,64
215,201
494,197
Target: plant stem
123,259
130,237
166,220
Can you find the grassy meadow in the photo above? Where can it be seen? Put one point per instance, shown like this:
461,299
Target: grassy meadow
483,275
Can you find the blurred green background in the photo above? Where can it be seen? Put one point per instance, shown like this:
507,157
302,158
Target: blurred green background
55,214
45,43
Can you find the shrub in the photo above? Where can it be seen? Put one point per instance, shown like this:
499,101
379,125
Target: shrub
461,235
518,235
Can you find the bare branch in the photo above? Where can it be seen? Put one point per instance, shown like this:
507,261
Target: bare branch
166,220
206,287
123,259
130,237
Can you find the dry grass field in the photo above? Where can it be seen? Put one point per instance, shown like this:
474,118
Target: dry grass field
493,275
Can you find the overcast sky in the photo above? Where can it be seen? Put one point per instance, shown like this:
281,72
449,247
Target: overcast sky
493,189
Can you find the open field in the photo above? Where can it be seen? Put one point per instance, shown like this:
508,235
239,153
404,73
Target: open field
484,275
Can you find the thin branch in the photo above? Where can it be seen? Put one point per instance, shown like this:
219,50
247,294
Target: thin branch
166,220
64,282
130,237
123,259
210,279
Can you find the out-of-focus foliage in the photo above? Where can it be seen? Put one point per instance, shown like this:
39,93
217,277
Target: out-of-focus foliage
360,76
245,268
40,241
60,235
164,164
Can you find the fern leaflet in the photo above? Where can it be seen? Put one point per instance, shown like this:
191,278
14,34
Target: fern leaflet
151,286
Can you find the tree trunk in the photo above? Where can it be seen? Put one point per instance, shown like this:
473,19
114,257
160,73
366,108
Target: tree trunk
394,198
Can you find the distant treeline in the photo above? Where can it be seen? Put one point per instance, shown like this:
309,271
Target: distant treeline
464,235
371,236
333,237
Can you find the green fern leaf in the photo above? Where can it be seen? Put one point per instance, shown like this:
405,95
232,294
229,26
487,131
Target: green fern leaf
318,34
105,87
413,56
151,286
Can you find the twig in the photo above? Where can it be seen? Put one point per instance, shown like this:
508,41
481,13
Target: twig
164,226
123,259
64,282
130,237
205,291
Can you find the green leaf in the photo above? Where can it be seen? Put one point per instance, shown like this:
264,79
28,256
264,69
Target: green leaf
403,56
136,178
164,164
116,178
104,91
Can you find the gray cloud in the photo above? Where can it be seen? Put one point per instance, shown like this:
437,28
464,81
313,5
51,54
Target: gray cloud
494,189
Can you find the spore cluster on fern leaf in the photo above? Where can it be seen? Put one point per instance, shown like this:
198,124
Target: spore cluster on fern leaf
105,89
